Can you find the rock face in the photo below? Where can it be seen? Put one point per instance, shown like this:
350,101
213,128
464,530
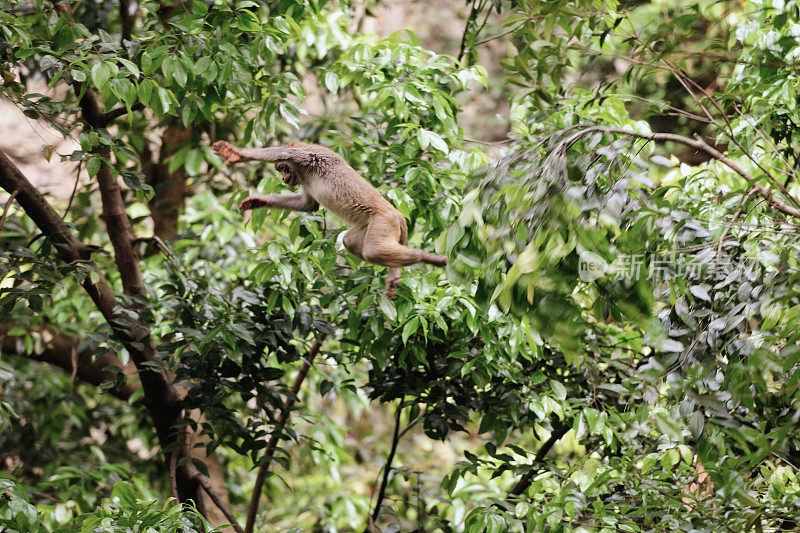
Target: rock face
22,139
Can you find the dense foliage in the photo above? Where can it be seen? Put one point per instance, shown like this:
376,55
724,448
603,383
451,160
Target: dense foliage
612,345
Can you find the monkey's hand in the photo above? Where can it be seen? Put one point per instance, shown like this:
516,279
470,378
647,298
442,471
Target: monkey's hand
251,202
228,151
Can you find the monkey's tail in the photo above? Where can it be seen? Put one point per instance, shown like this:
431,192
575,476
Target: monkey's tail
434,259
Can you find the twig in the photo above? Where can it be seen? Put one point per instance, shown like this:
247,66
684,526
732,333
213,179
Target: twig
387,469
156,241
73,359
7,207
471,18
685,80
283,418
678,111
499,35
478,141
203,481
74,190
738,212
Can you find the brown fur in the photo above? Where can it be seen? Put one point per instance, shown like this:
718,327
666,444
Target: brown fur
379,230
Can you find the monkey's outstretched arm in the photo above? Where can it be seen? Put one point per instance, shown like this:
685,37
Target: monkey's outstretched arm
271,155
296,202
277,154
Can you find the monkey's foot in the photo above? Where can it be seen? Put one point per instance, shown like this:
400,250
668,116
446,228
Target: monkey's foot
392,281
228,151
251,202
390,293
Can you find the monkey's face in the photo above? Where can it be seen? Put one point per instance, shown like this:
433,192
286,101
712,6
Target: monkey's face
289,177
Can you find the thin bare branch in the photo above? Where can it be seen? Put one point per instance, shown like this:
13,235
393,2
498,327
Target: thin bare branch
204,482
156,241
387,469
7,207
277,432
727,230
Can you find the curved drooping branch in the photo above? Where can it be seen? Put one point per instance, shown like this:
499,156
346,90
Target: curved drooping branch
699,144
277,432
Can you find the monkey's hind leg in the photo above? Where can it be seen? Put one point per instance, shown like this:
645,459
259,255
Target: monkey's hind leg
382,246
354,241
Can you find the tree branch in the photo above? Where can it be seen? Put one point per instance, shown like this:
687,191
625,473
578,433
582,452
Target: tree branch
204,482
387,469
119,228
471,18
92,109
524,482
59,349
126,19
160,396
133,335
283,418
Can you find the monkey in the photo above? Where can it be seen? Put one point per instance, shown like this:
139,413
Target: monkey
379,232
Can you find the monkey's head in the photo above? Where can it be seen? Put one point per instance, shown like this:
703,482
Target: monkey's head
288,177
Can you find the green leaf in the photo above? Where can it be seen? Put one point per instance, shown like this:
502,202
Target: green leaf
100,74
696,424
388,308
179,75
124,90
202,65
148,65
194,159
78,75
558,389
126,496
165,98
247,21
332,82
93,165
410,328
132,68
